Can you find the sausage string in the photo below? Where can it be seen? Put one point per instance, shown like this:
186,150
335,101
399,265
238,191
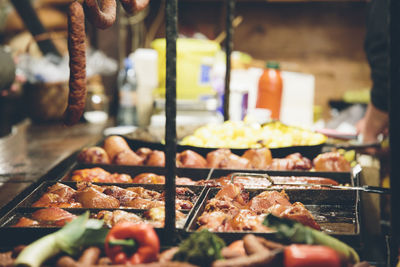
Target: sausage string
102,17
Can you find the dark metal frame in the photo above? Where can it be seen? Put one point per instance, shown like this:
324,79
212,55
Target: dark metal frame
394,118
171,29
34,25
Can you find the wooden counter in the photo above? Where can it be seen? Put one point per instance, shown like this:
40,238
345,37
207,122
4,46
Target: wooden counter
31,151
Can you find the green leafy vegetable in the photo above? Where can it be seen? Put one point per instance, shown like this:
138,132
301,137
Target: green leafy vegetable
72,238
296,232
201,248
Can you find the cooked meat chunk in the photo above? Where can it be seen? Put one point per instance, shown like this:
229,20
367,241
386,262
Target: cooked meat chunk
26,222
331,162
92,198
156,158
190,159
111,218
93,155
291,162
259,158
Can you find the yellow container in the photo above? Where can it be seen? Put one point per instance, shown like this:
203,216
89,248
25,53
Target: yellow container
194,61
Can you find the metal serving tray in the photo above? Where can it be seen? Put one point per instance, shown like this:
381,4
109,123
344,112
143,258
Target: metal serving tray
351,178
11,236
336,211
40,190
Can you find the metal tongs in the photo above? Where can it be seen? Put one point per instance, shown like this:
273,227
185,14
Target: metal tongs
364,188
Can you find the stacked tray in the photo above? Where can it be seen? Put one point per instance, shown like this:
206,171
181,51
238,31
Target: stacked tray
336,210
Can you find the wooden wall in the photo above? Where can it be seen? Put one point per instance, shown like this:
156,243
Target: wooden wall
324,38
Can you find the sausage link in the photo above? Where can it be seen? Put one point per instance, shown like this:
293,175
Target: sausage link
101,17
132,6
77,64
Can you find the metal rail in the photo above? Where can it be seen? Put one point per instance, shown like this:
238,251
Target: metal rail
171,30
230,10
394,118
35,27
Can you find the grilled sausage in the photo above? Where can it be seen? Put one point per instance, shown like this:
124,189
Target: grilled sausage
77,64
132,6
101,17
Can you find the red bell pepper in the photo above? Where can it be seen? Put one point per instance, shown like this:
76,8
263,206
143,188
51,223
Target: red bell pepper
310,256
132,243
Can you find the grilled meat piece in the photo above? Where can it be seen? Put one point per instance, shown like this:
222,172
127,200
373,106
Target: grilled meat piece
148,178
63,191
223,204
158,214
234,192
111,218
296,212
144,153
99,175
92,198
223,214
123,195
262,202
93,155
152,178
52,215
26,222
128,157
259,158
141,203
214,221
53,200
183,204
184,181
215,157
184,193
58,195
190,159
293,161
156,158
145,193
223,158
331,162
247,220
120,178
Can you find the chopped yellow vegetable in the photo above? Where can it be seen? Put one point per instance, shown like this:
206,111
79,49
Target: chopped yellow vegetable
238,134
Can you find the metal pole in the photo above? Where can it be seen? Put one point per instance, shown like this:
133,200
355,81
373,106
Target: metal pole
230,9
394,118
33,24
171,30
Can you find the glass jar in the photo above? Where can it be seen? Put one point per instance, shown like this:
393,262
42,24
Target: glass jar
97,104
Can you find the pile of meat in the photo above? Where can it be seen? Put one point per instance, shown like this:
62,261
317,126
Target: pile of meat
57,217
232,210
99,175
88,195
117,151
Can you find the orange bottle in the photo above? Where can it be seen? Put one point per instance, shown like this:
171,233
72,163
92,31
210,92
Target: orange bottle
270,89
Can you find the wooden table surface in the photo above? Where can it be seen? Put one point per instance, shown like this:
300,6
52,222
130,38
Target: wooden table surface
31,151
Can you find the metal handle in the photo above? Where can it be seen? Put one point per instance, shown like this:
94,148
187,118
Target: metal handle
376,189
